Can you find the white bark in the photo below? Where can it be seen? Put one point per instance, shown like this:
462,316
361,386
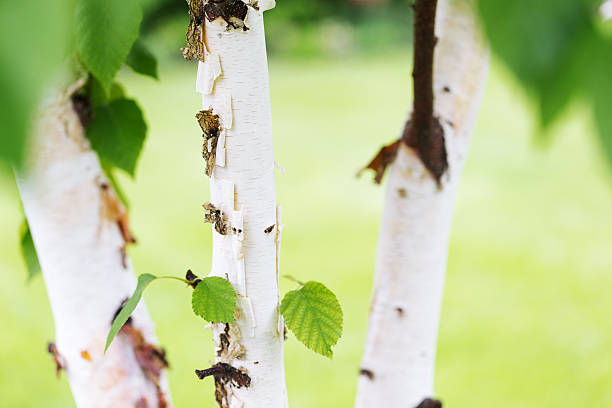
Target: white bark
401,343
76,235
242,186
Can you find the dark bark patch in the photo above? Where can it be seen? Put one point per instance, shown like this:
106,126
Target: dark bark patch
81,104
269,229
216,217
430,403
151,359
224,341
233,12
446,89
195,33
400,311
367,373
385,156
142,403
60,363
211,126
402,192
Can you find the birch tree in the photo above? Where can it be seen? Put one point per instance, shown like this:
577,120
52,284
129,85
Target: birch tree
557,50
227,38
78,228
450,68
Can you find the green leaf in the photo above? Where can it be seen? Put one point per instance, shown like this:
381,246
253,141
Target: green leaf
214,299
105,33
540,41
141,60
128,309
100,96
29,251
117,133
314,315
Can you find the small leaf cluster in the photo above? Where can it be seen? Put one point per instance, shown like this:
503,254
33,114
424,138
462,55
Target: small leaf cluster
106,38
312,312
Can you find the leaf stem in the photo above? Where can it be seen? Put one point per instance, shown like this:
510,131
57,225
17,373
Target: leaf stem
175,278
291,278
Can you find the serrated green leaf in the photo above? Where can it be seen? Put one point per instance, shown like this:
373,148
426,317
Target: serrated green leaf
141,60
117,133
29,251
105,33
314,315
214,299
128,309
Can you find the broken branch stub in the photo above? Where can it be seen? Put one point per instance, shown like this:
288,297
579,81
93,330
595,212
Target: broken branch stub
225,376
423,133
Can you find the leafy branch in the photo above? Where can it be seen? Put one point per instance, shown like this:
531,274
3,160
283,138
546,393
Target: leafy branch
213,299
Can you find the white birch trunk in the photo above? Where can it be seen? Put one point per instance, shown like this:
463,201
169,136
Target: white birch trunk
234,83
75,232
399,358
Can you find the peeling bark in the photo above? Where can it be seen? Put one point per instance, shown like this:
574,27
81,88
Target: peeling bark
233,81
402,334
80,230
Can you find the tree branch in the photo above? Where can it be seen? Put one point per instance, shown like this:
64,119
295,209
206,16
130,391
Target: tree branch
423,132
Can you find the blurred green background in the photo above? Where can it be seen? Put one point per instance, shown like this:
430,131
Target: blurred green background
526,314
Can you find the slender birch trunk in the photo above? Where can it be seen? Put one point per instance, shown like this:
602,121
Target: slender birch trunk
233,79
399,358
78,228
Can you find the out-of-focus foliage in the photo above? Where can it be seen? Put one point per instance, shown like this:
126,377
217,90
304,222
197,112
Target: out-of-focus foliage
559,50
55,42
34,38
104,33
118,133
141,60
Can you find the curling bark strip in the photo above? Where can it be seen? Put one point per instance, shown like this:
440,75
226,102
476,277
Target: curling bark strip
70,209
233,79
399,358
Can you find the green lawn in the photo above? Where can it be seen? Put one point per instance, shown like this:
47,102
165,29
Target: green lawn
526,317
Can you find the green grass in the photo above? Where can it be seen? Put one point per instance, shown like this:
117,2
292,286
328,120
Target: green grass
526,315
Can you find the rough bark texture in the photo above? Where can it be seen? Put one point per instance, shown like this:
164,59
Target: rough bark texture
400,350
233,79
75,220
